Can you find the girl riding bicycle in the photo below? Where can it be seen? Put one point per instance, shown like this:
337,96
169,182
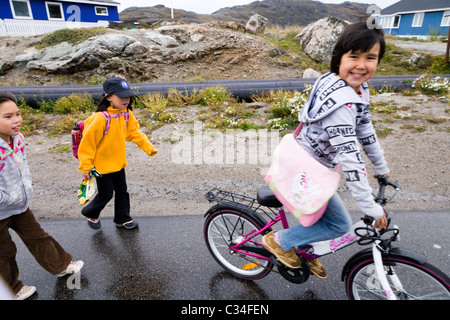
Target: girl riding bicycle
336,117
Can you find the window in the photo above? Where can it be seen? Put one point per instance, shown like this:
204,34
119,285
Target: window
54,11
390,21
396,22
101,11
446,19
21,9
385,22
418,19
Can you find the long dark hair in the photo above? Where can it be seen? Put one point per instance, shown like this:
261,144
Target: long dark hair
104,103
357,36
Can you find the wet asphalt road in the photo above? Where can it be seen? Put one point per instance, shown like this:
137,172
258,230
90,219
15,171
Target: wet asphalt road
166,259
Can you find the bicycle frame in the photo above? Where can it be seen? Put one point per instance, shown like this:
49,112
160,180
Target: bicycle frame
321,248
312,251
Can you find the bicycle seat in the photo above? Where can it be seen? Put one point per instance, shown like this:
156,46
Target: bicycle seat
267,198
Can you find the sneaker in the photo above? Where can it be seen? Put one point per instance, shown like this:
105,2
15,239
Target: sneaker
128,225
317,269
94,223
25,292
72,268
288,258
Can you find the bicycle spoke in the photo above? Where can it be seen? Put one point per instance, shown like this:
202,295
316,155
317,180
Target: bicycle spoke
225,230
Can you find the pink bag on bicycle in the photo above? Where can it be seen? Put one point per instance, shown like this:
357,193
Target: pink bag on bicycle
301,183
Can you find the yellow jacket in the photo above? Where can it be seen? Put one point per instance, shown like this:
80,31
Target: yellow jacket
107,153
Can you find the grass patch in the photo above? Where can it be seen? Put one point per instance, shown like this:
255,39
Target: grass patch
72,36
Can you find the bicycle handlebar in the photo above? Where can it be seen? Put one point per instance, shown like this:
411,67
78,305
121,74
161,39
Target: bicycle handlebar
383,182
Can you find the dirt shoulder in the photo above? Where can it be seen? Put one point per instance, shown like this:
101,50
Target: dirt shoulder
174,181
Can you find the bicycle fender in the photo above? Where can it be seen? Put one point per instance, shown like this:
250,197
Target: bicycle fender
235,207
393,253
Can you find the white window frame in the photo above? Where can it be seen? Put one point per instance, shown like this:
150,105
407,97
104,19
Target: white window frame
388,21
101,14
399,21
418,19
60,9
21,17
446,19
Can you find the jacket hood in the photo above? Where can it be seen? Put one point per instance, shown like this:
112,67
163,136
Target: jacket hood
328,94
5,144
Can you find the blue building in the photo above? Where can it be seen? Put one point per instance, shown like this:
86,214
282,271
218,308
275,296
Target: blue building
417,18
30,17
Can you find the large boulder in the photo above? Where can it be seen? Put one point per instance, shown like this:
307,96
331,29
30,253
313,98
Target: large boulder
256,24
318,38
64,57
167,45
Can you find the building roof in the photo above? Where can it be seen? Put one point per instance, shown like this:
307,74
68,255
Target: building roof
106,2
416,5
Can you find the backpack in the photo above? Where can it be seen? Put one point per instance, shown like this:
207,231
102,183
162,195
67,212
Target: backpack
77,130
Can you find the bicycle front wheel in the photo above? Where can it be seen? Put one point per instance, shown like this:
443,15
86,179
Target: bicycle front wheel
228,227
408,280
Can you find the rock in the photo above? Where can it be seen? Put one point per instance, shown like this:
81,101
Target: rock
256,24
125,51
415,59
162,40
197,37
5,67
310,73
64,57
318,38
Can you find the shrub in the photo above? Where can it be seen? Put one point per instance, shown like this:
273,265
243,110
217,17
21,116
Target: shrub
73,103
429,85
214,96
70,35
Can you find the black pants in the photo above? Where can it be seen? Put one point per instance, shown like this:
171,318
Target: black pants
106,186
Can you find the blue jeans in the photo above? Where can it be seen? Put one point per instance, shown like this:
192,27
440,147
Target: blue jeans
335,222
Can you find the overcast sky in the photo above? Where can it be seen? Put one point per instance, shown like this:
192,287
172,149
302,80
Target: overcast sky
210,6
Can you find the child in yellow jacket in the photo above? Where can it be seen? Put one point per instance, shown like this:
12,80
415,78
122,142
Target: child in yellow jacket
107,152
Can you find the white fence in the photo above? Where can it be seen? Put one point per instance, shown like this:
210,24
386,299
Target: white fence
16,27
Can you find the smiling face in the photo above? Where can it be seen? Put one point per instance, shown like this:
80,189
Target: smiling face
117,102
357,67
10,120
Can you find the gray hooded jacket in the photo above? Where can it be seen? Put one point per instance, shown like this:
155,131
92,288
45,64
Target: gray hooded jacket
336,122
15,178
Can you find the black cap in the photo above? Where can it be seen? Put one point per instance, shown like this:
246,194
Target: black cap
119,87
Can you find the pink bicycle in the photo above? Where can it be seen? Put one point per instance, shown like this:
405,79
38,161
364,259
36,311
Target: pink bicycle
235,224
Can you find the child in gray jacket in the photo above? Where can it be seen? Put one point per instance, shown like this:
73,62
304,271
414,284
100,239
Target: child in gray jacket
337,124
15,195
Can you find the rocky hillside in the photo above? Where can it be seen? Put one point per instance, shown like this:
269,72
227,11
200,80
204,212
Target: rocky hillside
278,12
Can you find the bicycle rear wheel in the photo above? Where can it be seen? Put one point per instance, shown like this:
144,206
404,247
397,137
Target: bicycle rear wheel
228,227
419,281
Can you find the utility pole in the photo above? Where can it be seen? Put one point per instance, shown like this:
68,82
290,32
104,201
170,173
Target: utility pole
171,8
448,45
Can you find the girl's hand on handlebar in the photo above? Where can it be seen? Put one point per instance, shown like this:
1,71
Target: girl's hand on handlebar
387,175
381,223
